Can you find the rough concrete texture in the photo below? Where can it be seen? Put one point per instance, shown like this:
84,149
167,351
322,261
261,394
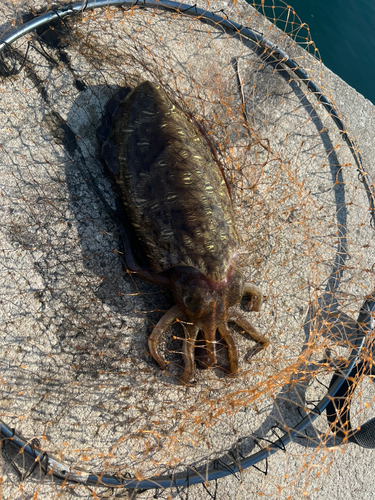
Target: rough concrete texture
75,368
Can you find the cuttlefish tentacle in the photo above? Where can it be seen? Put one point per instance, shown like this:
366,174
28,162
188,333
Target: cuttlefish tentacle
209,358
191,333
131,262
160,328
256,296
232,349
262,340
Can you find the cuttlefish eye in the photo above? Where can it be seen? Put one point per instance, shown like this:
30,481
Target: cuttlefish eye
235,288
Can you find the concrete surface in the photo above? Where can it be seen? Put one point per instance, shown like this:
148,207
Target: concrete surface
74,363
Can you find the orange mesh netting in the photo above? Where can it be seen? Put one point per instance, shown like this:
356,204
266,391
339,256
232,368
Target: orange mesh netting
78,384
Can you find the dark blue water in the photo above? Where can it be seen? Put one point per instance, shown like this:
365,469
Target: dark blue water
344,32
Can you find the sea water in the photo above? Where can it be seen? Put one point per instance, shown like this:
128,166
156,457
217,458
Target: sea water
344,33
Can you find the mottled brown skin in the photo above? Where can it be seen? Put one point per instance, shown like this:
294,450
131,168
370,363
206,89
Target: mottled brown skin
180,212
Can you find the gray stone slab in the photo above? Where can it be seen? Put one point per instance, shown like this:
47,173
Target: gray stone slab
75,367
